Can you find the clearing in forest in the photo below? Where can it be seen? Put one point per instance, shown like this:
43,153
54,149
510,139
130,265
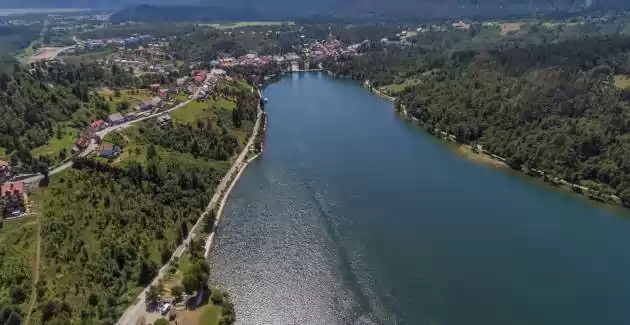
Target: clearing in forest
507,28
57,144
622,81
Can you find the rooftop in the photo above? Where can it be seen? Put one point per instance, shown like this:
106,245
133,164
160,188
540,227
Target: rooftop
10,188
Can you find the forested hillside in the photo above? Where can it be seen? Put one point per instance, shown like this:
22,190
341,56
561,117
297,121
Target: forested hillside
552,107
43,99
109,226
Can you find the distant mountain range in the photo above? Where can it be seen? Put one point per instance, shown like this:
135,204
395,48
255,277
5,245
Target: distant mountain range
300,8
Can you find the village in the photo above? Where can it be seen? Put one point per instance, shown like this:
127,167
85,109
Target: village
148,55
175,83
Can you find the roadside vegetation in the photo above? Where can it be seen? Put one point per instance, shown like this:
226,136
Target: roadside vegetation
18,240
96,260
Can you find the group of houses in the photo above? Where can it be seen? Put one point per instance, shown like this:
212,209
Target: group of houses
13,198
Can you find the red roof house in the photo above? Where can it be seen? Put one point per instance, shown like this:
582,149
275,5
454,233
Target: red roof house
9,189
97,124
199,76
82,142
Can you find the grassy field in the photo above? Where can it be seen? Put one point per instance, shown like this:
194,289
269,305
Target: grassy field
18,240
507,28
396,88
210,315
87,57
133,98
55,145
207,109
622,82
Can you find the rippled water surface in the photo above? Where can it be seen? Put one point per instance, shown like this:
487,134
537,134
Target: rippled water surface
353,216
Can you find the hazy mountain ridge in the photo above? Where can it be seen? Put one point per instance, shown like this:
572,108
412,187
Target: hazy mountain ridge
291,9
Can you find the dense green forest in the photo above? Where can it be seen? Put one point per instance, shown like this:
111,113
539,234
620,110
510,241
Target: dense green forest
552,107
16,38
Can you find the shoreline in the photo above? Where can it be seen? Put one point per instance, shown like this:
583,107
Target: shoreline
130,315
261,124
221,205
490,159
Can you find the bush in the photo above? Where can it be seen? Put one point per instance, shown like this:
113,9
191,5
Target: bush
161,321
217,297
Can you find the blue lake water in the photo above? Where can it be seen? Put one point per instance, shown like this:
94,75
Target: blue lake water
354,216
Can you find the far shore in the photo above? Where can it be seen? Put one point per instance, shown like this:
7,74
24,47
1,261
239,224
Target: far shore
467,152
490,159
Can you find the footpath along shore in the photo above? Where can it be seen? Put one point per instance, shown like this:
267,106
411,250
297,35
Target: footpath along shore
241,169
138,309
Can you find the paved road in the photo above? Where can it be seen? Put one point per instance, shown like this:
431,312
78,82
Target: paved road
138,309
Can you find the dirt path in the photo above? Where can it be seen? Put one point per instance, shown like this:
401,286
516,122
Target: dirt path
35,271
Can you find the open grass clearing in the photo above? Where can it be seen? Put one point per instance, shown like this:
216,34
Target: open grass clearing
396,88
507,28
204,315
622,82
55,145
18,239
202,110
87,57
132,97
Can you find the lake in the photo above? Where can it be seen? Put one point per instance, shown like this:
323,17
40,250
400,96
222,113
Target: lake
355,216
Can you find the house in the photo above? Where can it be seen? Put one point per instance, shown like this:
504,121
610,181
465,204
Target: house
156,102
98,124
108,150
115,118
4,167
13,198
148,104
81,143
199,76
460,25
12,189
217,72
182,81
164,120
88,132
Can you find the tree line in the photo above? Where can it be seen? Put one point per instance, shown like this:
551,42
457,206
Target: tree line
552,107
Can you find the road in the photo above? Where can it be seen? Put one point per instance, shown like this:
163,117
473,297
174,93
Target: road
101,134
138,309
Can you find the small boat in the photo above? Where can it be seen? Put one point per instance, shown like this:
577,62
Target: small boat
265,100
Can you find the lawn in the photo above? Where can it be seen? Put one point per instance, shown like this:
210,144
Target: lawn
204,315
132,97
202,110
55,145
396,88
210,315
507,28
622,82
17,248
182,97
